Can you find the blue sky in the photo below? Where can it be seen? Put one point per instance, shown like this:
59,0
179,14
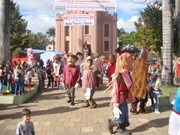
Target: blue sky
41,16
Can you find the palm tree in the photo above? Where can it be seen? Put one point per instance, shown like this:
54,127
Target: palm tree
51,34
167,78
4,30
177,8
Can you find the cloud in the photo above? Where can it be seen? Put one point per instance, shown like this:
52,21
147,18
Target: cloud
41,16
130,7
128,25
40,24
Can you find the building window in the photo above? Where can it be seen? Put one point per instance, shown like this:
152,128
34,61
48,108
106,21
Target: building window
106,46
67,46
86,29
67,30
106,30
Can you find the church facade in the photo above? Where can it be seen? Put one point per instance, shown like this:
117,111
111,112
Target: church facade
99,38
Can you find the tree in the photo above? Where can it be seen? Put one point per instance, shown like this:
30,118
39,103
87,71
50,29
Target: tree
51,36
167,77
4,30
149,28
17,23
38,41
177,13
18,37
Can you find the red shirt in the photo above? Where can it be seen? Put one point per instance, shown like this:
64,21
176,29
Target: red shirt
71,75
110,70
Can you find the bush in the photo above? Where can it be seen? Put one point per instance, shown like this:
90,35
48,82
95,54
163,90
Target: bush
18,53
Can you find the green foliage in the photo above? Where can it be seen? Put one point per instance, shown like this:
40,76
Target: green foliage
149,28
18,53
51,32
18,39
17,23
38,41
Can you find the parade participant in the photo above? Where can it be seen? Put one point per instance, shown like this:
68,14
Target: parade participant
97,69
121,89
79,62
57,69
111,67
177,70
139,78
174,120
88,84
71,77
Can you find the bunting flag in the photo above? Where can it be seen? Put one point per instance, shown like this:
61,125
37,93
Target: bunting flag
150,3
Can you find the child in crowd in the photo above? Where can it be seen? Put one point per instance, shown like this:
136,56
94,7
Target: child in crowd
157,93
50,78
25,127
29,76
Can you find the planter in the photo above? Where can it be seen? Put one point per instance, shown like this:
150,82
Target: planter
10,99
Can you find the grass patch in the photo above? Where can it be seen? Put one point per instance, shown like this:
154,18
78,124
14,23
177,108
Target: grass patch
25,89
167,89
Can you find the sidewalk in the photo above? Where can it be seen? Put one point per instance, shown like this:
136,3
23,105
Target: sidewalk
52,115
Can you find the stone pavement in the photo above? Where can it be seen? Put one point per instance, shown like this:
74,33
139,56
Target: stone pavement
52,115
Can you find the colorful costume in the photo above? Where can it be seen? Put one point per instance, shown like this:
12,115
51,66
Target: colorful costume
174,120
71,78
139,78
88,84
121,89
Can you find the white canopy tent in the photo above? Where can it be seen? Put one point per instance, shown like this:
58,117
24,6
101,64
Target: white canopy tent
49,55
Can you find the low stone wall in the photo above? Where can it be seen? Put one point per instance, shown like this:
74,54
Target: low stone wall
10,99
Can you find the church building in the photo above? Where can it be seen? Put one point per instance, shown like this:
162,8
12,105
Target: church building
99,38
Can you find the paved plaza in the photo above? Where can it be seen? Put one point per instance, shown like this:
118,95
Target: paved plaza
52,115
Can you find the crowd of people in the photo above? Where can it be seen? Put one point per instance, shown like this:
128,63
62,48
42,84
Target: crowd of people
73,71
14,75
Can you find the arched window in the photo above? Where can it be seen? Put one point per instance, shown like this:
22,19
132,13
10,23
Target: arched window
106,30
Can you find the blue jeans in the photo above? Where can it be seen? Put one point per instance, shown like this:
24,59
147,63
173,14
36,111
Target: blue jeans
157,99
124,117
18,86
1,85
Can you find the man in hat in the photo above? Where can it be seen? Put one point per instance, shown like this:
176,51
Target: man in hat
71,77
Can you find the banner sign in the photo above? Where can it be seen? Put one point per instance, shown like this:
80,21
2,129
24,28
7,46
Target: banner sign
78,19
91,5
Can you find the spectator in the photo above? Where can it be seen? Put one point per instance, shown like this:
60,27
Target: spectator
2,74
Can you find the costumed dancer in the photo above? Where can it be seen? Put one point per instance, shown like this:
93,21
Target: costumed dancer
71,77
58,70
88,84
139,78
174,120
121,89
